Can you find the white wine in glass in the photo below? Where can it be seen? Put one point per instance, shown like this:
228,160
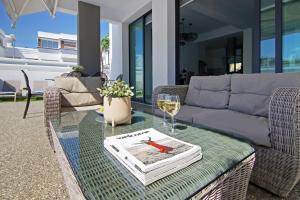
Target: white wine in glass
172,107
160,104
161,99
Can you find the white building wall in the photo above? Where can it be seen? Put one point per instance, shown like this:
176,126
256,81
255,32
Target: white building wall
2,51
58,55
37,70
116,50
49,54
34,73
125,51
163,27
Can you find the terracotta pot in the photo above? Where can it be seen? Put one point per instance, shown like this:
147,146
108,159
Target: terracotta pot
117,110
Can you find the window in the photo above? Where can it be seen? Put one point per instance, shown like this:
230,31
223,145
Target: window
267,39
49,44
291,36
69,44
280,36
137,57
140,51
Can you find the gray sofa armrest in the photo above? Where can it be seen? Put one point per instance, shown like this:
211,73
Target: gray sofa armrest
284,120
180,90
52,104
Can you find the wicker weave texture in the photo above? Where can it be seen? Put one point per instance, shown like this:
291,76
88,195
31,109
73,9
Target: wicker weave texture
232,185
52,99
278,168
69,178
101,176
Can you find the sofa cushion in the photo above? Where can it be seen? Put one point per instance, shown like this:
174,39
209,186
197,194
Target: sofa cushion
209,91
80,108
80,85
251,128
185,113
251,93
80,99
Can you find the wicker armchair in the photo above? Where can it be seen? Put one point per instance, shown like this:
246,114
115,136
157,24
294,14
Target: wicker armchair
276,169
70,94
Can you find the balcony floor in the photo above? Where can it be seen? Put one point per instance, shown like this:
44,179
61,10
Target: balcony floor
28,167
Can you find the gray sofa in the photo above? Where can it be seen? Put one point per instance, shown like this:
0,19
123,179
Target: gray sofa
263,109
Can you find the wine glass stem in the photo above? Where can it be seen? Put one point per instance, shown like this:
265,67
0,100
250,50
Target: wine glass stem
172,121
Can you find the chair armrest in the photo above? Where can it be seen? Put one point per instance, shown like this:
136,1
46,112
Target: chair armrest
179,90
52,105
284,121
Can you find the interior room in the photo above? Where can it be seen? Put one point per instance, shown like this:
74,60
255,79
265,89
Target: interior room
215,40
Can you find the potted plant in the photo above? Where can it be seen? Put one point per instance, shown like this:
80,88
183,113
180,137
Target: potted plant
117,103
76,71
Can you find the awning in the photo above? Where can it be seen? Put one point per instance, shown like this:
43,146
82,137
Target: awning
111,10
17,8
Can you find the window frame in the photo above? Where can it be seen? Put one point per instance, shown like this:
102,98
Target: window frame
278,37
49,41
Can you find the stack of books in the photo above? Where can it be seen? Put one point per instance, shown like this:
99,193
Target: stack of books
151,155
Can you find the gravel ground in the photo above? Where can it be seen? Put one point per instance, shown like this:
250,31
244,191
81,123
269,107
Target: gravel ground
28,167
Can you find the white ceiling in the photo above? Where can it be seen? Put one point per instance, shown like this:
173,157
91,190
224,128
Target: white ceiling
208,15
116,10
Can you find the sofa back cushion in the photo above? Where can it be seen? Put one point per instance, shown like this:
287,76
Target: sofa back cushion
78,84
209,91
80,99
251,93
80,91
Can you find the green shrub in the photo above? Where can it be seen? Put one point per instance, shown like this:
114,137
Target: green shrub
117,89
77,68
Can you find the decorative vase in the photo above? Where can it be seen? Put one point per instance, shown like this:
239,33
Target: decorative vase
117,110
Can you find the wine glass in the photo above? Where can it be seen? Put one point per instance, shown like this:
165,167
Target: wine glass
172,107
161,98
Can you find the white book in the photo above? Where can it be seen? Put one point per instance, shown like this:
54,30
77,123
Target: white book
151,155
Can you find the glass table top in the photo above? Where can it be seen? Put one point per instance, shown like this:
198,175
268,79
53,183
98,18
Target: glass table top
101,176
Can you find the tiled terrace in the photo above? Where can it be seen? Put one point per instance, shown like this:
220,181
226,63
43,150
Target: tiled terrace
28,167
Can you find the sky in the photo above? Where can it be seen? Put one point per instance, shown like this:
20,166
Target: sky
291,44
28,26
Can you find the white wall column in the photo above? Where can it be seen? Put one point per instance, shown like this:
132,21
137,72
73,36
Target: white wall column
116,53
163,27
125,48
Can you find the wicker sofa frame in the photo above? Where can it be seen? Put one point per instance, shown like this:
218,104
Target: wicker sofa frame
52,109
276,169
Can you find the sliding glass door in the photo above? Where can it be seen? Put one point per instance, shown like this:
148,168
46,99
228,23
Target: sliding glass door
280,36
137,58
140,50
